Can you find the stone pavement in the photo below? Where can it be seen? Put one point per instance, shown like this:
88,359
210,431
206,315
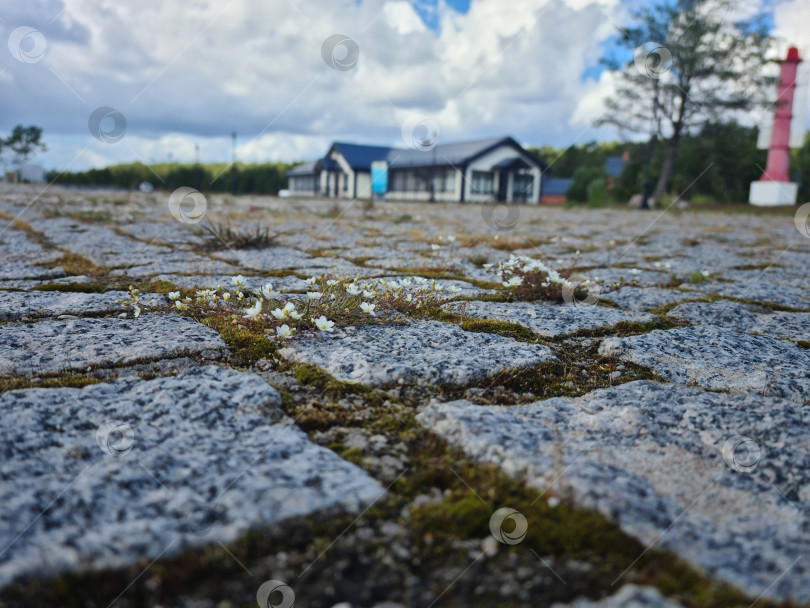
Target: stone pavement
130,440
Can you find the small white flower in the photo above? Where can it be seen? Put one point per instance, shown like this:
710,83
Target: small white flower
369,308
253,311
289,307
226,296
323,324
314,295
332,282
421,281
667,265
577,253
137,310
174,295
312,280
513,282
487,266
635,271
705,273
295,315
369,294
180,306
278,313
238,280
409,297
451,238
267,291
454,289
284,331
352,290
435,247
657,264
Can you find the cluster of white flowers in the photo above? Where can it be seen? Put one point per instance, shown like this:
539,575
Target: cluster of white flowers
329,297
511,273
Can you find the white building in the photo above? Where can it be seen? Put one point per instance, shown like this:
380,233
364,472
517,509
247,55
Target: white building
479,171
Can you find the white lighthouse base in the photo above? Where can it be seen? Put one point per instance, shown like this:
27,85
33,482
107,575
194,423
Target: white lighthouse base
773,194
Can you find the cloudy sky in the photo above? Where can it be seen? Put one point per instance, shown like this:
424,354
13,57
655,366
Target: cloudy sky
290,76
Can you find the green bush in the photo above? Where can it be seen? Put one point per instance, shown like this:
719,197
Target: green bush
597,193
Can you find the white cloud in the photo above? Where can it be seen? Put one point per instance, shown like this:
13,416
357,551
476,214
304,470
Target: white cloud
186,72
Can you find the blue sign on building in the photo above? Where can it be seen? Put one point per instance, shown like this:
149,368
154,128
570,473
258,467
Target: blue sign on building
379,177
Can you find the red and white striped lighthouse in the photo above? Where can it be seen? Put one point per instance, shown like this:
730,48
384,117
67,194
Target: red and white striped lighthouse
774,187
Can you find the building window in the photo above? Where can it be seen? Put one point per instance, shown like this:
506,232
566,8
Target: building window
482,182
304,183
444,180
345,182
522,187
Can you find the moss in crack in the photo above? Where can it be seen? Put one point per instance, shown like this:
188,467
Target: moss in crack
803,344
75,264
247,345
63,380
70,287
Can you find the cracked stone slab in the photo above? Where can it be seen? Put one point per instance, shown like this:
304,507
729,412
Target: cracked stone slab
550,320
614,275
18,305
745,317
422,352
335,267
201,281
182,461
637,298
759,291
20,271
721,480
271,258
720,359
47,347
465,288
629,596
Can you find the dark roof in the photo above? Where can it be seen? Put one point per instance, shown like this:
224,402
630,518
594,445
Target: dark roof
328,164
303,169
556,186
614,165
360,157
515,162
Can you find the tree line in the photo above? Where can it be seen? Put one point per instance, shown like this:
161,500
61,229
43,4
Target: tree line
241,178
716,165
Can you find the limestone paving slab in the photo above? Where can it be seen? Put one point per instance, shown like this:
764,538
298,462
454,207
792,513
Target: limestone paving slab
422,352
721,480
465,289
745,317
720,359
20,271
271,258
55,346
182,461
759,291
18,305
201,281
629,596
546,319
638,298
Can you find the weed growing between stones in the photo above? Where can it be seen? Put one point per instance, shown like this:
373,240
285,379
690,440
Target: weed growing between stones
331,303
219,237
530,279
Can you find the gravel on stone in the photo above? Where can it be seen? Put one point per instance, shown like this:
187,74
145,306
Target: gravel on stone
722,480
111,474
47,347
720,359
549,320
422,352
